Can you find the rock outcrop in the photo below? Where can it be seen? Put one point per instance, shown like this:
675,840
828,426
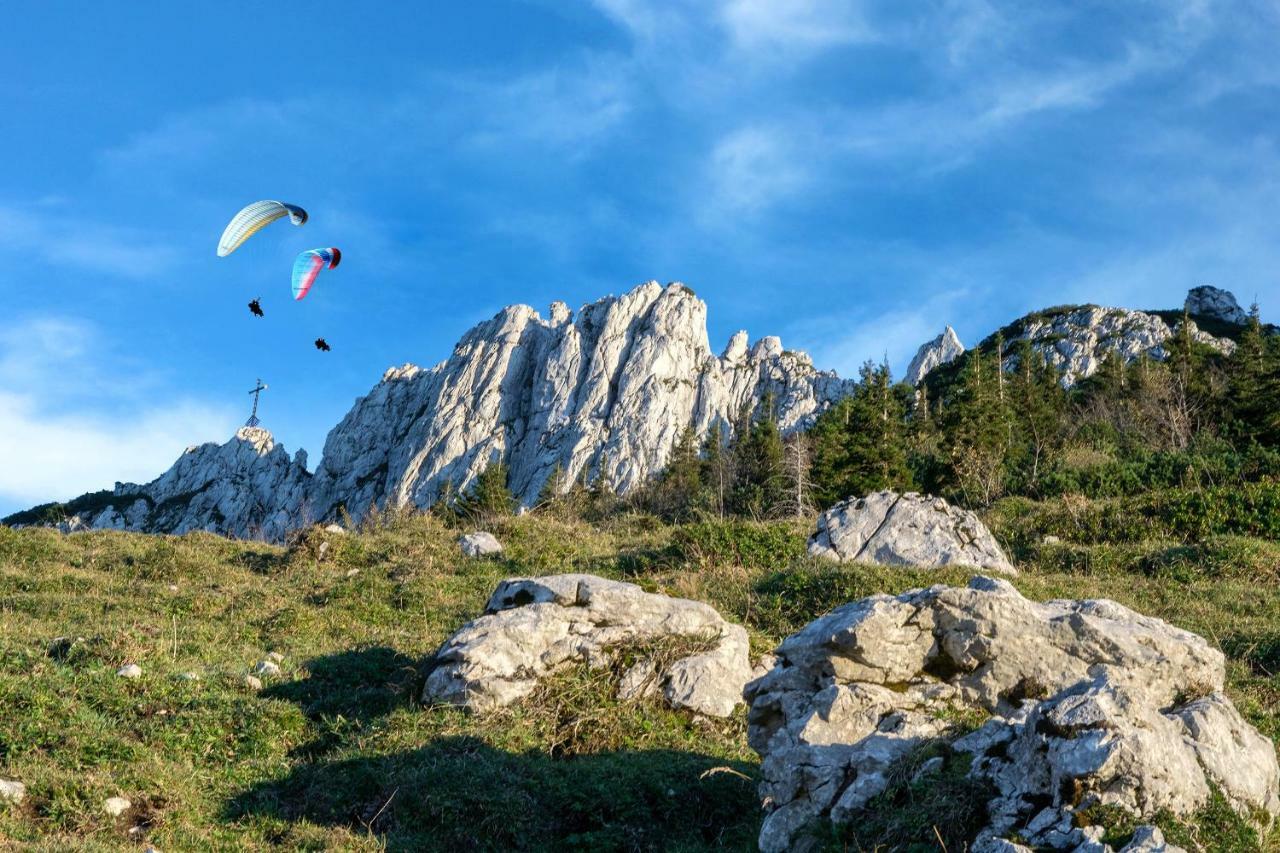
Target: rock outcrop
1077,340
531,627
249,488
603,393
1210,301
606,393
1090,704
943,349
906,530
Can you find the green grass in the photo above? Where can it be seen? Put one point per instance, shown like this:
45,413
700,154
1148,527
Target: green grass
338,753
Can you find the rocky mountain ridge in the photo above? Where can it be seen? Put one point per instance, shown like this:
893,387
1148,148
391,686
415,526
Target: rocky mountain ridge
1077,339
603,393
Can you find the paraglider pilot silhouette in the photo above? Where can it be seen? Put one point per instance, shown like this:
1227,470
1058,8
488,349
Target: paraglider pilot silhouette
322,345
255,308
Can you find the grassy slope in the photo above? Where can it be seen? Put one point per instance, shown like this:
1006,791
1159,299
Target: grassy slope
337,753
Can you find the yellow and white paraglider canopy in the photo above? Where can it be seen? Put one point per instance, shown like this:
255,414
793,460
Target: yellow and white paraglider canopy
252,219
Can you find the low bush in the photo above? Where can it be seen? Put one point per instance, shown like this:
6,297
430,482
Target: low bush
769,545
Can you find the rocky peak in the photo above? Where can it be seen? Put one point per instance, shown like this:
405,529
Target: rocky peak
943,349
248,488
1210,301
603,393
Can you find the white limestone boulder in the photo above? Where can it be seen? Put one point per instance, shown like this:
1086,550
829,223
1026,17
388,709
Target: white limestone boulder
480,544
906,530
533,626
1090,704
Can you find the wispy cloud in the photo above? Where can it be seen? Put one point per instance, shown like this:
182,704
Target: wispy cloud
753,168
796,25
73,420
566,107
58,234
54,457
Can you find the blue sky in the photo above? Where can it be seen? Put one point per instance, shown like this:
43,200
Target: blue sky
849,175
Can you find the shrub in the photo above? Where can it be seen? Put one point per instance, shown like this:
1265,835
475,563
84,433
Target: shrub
757,544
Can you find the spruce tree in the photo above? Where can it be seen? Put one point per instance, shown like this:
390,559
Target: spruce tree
1252,384
678,494
717,470
491,494
861,444
977,433
759,482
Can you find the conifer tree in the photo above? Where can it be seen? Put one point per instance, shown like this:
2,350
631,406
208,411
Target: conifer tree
490,495
678,493
759,487
1253,384
977,432
717,470
861,444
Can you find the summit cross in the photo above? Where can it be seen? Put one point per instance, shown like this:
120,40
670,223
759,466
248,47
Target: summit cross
253,418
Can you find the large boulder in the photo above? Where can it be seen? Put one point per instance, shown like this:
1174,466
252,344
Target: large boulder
1210,301
480,544
1089,704
906,530
533,626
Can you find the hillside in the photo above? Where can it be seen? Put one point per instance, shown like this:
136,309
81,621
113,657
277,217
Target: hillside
338,752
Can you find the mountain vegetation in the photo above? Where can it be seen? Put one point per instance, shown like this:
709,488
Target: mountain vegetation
998,423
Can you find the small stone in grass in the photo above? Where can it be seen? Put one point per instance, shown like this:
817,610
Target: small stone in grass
12,791
352,572
267,667
190,676
173,587
275,656
131,670
252,683
116,806
334,528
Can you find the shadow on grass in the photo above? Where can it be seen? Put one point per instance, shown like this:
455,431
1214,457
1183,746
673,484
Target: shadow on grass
261,562
348,690
460,793
1260,651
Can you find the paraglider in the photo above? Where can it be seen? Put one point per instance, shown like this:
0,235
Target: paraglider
322,345
255,308
308,265
252,219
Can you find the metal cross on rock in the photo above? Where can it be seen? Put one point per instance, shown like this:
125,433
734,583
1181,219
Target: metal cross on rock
253,418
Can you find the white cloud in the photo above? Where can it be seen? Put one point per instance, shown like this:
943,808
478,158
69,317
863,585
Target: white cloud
753,168
796,25
74,416
58,235
566,107
46,457
645,19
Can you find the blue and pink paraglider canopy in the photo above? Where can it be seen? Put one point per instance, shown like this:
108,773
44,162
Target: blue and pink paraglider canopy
308,265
